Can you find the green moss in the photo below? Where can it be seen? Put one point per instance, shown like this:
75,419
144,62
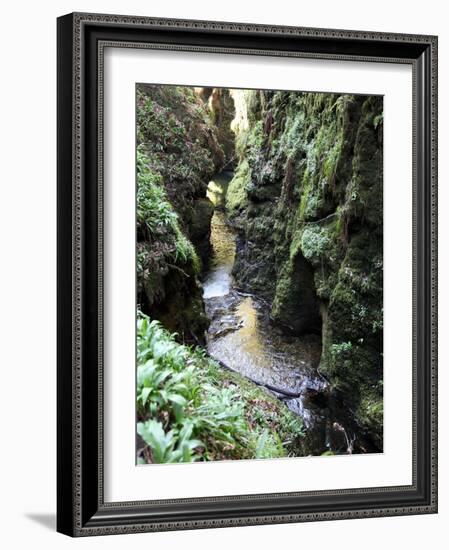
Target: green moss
308,204
236,195
295,303
156,215
320,175
370,413
283,295
330,164
175,132
315,242
177,153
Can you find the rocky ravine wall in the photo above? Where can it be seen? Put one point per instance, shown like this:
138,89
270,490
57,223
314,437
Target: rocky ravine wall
220,106
177,154
307,201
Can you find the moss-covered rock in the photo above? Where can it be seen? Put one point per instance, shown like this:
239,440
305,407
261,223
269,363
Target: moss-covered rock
221,108
307,201
178,152
200,216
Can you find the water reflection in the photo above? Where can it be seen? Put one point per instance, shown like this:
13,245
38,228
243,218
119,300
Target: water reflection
218,280
240,334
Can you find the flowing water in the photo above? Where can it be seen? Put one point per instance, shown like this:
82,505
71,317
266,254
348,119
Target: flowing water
241,336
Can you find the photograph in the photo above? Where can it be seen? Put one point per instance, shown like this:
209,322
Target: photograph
220,222
259,273
247,275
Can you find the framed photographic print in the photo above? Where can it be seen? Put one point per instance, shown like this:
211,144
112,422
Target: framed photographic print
246,274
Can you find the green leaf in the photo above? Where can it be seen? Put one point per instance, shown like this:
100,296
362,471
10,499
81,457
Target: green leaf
176,398
161,376
261,444
161,443
144,395
179,413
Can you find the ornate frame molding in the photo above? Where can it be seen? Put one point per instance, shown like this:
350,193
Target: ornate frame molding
81,42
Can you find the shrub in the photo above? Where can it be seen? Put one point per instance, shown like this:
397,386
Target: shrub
190,409
156,214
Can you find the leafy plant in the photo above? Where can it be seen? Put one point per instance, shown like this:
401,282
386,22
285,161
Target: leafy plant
315,242
156,214
189,409
171,446
341,349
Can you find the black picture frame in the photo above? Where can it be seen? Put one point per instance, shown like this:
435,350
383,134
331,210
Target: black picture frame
81,509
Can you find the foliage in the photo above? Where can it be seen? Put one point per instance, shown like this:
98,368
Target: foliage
236,197
315,242
339,350
172,446
311,202
190,409
153,208
177,153
156,213
172,126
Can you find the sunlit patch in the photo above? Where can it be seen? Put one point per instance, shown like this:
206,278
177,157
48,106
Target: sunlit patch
214,193
219,279
241,336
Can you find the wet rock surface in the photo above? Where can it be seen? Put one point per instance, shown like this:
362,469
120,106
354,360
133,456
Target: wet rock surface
277,266
306,200
242,337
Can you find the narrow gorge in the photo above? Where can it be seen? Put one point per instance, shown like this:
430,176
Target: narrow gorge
259,274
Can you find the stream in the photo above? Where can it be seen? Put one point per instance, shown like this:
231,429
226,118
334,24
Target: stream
241,336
